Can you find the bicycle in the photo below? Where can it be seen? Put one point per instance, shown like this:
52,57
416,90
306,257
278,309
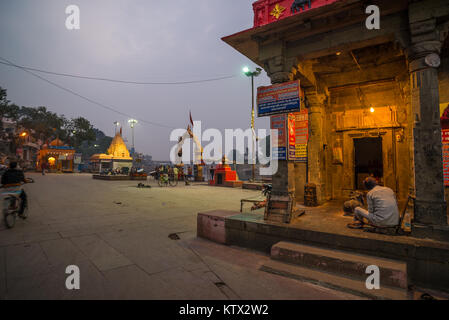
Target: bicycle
173,180
165,180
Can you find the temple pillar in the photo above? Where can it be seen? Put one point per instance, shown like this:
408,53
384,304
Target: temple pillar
315,144
283,180
430,205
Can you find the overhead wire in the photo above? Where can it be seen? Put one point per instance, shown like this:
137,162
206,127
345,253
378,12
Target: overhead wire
84,97
116,80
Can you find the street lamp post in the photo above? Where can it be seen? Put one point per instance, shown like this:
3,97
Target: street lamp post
253,74
116,125
132,123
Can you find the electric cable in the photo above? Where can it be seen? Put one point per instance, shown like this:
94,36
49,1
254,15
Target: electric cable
115,80
86,98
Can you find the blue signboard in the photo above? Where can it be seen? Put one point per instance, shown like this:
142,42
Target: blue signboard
279,153
279,98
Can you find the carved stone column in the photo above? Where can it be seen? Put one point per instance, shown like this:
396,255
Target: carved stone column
430,205
316,142
278,69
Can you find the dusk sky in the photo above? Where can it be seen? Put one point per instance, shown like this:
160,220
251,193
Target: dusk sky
136,40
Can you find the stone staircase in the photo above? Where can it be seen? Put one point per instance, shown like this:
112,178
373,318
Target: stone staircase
338,270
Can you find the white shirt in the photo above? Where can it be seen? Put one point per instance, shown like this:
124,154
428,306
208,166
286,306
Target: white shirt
383,206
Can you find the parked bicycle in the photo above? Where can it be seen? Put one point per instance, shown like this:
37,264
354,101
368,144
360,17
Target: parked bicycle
165,180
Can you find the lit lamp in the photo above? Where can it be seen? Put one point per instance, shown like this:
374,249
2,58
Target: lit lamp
253,74
372,110
116,124
132,123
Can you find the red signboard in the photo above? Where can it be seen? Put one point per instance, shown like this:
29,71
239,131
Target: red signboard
291,137
445,141
268,11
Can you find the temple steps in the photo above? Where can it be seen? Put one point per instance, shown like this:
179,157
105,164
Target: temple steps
338,270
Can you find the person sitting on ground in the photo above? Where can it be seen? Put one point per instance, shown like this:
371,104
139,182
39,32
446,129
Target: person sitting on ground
14,176
382,207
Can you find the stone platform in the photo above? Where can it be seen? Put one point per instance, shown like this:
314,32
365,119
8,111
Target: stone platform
233,184
253,185
325,226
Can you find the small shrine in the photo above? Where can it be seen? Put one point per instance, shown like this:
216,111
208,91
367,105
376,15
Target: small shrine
117,156
57,155
225,176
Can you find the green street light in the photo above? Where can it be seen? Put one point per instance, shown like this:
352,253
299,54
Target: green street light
253,74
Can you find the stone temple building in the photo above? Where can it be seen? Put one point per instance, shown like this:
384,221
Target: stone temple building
117,156
373,95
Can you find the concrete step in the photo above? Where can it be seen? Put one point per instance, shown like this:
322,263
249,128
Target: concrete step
351,265
332,281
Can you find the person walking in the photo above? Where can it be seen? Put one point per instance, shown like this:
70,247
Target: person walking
44,167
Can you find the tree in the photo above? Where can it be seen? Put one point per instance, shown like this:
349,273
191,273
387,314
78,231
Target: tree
47,125
8,110
80,130
100,145
3,100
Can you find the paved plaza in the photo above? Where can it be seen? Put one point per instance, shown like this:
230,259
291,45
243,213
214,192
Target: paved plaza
118,235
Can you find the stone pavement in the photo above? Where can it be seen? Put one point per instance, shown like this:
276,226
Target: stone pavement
117,235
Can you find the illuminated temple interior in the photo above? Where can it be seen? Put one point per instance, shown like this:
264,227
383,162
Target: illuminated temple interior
57,155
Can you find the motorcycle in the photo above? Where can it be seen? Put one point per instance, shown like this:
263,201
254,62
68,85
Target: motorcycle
12,203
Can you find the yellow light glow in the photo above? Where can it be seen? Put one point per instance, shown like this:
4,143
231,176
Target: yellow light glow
23,134
372,110
338,53
51,161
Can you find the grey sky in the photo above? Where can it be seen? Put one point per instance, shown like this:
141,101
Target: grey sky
139,40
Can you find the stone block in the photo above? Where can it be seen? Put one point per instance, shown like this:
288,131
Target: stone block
211,225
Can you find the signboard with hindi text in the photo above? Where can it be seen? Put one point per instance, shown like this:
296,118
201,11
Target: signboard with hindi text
286,147
302,135
279,152
444,119
445,141
279,98
291,137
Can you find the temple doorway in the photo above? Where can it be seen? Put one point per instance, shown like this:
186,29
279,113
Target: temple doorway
368,160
